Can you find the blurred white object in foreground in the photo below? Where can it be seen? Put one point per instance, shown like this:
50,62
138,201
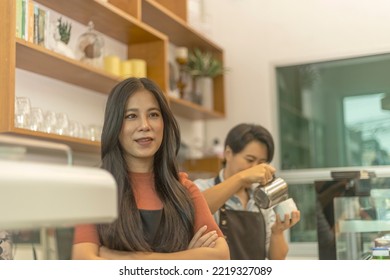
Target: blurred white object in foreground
35,195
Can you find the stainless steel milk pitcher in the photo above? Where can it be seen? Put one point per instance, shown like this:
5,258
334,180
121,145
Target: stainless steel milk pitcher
271,194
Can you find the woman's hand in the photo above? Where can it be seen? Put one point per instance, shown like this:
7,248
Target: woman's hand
278,227
200,239
105,253
203,240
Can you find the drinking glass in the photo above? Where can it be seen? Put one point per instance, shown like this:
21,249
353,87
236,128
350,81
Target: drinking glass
86,132
75,129
62,125
50,122
95,132
37,118
22,112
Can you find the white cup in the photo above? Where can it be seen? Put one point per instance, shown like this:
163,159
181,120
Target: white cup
285,207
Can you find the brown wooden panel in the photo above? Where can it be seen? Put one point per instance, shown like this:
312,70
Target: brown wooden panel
155,55
192,111
7,63
76,144
207,164
219,95
175,28
177,7
39,60
219,88
132,7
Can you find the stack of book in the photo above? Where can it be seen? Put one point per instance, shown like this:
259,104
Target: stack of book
31,22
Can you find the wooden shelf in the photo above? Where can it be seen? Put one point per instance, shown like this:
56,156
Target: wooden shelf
146,27
18,53
166,24
178,31
210,164
179,8
190,110
37,59
107,19
77,144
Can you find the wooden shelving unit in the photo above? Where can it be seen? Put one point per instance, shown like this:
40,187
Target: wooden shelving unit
210,165
191,110
171,20
145,26
175,27
77,144
107,18
42,61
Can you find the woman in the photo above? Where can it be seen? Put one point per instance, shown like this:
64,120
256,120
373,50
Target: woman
160,210
251,233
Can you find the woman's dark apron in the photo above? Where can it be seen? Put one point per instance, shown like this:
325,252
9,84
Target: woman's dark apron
244,232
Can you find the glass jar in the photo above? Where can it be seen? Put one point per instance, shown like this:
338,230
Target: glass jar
90,47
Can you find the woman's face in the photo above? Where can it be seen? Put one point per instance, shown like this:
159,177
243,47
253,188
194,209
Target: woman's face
253,153
142,131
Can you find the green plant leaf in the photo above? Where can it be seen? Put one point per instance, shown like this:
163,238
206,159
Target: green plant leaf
203,64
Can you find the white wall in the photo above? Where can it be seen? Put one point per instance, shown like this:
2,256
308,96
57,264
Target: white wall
257,34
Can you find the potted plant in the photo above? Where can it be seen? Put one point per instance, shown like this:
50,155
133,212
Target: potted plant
64,29
203,67
60,37
204,64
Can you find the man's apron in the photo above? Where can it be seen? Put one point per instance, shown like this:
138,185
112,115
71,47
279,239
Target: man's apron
244,232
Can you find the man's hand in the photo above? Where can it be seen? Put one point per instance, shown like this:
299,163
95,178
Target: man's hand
261,173
278,227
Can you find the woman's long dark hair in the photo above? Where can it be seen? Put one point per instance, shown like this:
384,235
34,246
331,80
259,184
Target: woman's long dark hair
126,233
